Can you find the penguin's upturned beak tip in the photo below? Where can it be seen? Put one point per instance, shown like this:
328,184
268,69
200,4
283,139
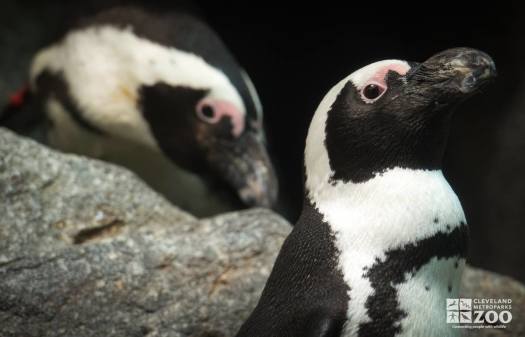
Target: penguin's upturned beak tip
459,70
476,69
260,189
245,166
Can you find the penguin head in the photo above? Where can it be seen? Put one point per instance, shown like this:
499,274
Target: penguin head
165,81
390,114
203,124
217,128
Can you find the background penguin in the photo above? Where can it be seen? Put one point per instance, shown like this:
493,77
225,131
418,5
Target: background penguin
160,94
381,240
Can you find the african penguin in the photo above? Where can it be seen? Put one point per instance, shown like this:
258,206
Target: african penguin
381,240
160,94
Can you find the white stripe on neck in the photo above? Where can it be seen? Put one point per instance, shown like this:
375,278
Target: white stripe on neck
104,66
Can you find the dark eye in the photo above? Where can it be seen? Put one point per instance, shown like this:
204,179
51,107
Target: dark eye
206,112
372,91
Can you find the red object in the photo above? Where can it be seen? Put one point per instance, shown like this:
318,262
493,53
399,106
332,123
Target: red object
17,99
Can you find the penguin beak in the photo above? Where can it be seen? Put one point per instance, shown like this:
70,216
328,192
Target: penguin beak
457,72
245,165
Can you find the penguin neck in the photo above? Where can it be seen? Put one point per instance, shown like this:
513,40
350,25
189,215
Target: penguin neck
398,206
389,185
359,152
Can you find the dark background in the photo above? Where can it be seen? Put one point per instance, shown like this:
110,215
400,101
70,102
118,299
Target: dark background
295,54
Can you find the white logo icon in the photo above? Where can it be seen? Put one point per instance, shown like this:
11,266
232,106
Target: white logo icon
465,304
452,317
465,316
452,304
494,313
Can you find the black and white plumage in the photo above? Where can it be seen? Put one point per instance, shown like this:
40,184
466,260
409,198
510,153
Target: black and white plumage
161,94
381,241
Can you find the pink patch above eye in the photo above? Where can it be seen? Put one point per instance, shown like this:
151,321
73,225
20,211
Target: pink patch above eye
380,75
213,110
379,81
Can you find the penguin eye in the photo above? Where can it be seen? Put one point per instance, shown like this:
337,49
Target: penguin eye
206,113
372,92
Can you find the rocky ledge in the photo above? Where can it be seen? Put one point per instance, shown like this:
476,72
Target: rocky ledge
86,249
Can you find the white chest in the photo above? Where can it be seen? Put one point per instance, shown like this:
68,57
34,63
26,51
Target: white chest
386,214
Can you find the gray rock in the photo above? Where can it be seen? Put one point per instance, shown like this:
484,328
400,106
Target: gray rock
86,249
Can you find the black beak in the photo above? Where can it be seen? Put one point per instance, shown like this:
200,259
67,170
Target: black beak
246,166
457,72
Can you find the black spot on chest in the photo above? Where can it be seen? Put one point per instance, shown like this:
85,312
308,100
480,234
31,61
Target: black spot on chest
383,306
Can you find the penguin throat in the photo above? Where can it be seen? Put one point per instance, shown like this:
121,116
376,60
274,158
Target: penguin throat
360,149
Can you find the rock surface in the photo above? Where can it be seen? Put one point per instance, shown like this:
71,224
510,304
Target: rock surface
86,249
